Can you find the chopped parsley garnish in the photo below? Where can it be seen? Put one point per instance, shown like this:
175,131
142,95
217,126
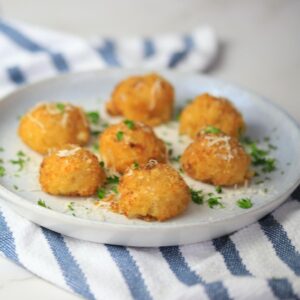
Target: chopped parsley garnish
42,203
168,143
95,147
93,117
1,149
15,187
244,203
136,165
175,158
197,196
259,156
212,129
60,107
2,171
112,179
219,189
101,164
213,201
20,161
181,171
272,147
115,189
95,132
101,194
129,124
120,135
70,206
269,165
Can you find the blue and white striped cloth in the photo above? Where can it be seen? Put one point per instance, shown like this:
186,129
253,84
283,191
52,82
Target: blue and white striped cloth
259,261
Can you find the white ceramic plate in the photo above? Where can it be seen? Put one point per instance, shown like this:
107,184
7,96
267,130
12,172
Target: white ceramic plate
20,190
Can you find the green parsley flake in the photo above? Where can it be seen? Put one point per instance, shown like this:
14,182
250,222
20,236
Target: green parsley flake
95,147
101,194
259,156
175,158
101,164
15,187
42,203
212,129
213,201
71,206
115,189
95,132
136,165
1,149
112,180
219,189
93,117
120,135
21,161
2,171
269,165
129,124
197,196
244,203
60,107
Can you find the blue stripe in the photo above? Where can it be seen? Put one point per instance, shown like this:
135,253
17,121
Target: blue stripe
179,56
7,241
281,243
182,271
231,256
282,289
16,75
149,49
130,272
179,266
72,273
108,53
24,42
59,62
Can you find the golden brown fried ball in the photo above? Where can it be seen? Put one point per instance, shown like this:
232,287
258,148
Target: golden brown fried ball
52,125
71,171
207,110
121,145
153,192
148,98
216,158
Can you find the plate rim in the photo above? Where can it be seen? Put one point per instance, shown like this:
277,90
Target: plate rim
19,201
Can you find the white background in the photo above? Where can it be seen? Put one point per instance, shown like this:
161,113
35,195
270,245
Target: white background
260,49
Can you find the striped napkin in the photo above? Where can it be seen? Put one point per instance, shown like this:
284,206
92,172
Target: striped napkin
259,261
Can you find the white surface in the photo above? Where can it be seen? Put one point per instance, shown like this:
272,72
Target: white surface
98,224
261,51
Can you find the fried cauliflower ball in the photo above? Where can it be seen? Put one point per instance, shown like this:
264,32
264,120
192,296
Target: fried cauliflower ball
127,143
52,125
207,110
216,158
71,171
153,192
148,98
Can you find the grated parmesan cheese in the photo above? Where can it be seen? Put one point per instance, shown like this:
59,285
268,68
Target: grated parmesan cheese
224,142
36,121
67,152
155,89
